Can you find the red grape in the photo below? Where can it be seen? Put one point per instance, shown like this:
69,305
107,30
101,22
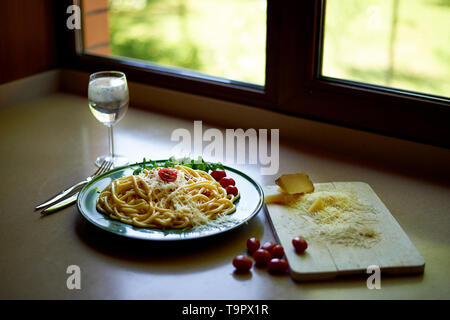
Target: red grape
261,257
268,246
252,244
277,252
299,244
277,265
242,263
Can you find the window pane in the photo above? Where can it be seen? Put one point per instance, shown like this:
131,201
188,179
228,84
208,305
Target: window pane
403,44
220,38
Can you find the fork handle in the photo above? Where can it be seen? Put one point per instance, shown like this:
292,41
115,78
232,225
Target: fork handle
61,195
60,205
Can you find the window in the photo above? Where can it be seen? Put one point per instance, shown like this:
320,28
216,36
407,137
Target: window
215,38
302,76
393,43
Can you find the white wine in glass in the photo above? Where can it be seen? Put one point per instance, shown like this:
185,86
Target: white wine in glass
108,101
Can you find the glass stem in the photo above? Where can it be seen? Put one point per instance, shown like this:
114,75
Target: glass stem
111,142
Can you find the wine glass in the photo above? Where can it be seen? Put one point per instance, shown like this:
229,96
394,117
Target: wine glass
108,102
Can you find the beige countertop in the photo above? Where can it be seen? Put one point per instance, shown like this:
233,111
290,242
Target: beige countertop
49,142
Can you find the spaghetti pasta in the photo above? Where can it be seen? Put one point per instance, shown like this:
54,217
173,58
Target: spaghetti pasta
191,199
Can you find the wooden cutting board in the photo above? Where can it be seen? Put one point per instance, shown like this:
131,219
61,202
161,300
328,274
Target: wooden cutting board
394,253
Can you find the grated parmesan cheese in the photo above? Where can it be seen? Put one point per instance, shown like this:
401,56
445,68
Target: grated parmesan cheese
336,216
222,222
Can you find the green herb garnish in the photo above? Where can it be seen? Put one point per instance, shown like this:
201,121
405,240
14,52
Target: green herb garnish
198,164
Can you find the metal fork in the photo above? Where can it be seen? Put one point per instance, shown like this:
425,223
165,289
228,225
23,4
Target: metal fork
106,165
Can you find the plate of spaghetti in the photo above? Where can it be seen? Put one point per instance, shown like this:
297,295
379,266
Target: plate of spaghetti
170,200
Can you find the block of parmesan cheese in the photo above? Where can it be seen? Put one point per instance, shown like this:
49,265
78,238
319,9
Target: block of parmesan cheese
279,198
295,183
274,198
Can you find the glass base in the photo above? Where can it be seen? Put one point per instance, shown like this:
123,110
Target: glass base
117,160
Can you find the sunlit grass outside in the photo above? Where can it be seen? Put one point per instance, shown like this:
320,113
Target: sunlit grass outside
221,38
403,44
366,41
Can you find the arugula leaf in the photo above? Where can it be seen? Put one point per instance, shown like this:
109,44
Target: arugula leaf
198,164
214,166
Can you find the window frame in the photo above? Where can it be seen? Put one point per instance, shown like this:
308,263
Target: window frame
294,85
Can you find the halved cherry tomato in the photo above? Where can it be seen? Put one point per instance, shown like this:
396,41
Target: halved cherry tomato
218,174
252,244
168,174
277,252
277,265
261,257
225,182
242,263
206,192
268,246
232,190
300,244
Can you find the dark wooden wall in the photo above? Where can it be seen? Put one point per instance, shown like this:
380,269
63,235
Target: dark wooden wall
27,38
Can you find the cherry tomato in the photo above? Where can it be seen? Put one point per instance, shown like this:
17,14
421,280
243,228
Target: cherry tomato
277,252
218,174
252,244
261,257
300,244
206,192
268,246
242,263
225,182
168,174
276,265
232,190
